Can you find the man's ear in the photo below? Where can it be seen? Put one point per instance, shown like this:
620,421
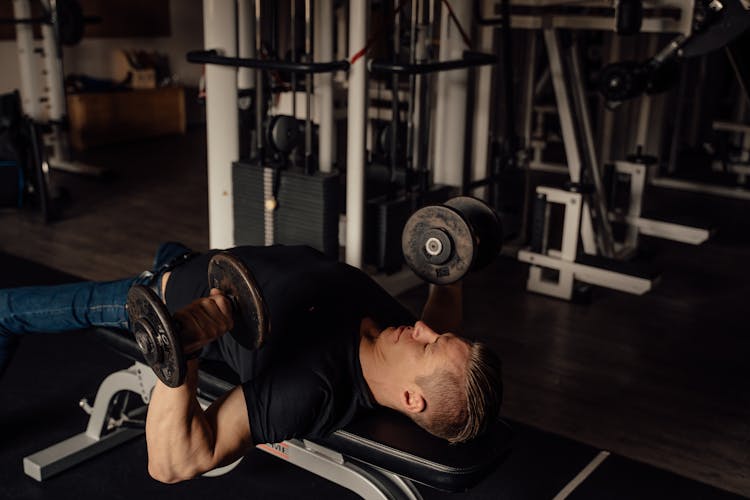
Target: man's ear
413,401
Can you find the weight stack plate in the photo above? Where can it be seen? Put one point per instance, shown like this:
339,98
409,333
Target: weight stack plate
385,221
307,211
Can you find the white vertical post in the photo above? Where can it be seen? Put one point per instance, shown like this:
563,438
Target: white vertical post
53,69
246,41
220,33
481,136
563,100
567,127
355,135
342,42
28,71
57,109
323,52
450,115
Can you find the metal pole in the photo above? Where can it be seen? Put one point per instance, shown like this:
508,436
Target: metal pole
604,233
482,136
308,89
246,37
53,66
356,131
423,108
395,114
323,50
568,129
412,87
259,97
222,133
293,22
27,71
55,86
452,93
246,76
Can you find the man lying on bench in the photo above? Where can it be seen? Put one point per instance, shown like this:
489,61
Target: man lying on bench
339,345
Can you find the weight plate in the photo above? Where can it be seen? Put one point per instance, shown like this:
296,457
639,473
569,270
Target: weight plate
487,227
156,336
283,133
421,252
251,318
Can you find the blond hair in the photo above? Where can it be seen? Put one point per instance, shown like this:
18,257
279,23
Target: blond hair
461,408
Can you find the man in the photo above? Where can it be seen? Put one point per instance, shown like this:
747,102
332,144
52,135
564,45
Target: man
338,345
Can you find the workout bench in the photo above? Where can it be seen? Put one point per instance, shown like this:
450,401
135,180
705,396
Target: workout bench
378,456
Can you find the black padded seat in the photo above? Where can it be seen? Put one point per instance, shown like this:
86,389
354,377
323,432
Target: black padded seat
390,441
382,438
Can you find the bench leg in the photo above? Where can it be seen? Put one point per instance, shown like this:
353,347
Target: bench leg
103,430
363,479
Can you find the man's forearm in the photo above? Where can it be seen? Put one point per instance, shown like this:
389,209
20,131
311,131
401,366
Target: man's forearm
179,437
443,310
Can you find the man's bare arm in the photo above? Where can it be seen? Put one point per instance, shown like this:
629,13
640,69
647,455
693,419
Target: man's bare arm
443,311
184,441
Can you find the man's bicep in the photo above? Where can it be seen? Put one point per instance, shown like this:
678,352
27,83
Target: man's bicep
229,420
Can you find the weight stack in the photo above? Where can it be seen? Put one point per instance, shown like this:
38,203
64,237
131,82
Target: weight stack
385,220
307,211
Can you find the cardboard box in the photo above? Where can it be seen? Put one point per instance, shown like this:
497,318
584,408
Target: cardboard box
129,66
111,117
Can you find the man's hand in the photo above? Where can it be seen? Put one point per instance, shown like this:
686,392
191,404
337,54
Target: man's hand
204,320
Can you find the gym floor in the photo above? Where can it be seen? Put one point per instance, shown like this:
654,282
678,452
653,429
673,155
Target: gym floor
661,381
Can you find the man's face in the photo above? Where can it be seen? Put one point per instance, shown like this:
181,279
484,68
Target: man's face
413,351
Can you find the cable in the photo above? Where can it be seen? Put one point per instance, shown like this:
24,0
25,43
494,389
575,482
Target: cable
453,17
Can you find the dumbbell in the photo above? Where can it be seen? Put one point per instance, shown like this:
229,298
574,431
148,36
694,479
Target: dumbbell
442,243
158,333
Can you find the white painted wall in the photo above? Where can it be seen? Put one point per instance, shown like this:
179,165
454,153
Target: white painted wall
93,56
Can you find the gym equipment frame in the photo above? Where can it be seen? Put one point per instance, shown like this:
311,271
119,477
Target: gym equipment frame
637,174
565,262
51,90
595,221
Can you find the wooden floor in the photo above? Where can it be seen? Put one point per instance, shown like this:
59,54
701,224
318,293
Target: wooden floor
663,378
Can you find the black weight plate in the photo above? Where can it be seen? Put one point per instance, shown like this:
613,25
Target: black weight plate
251,318
156,336
487,227
284,133
414,239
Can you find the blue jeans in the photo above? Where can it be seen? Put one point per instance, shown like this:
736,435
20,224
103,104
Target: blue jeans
73,306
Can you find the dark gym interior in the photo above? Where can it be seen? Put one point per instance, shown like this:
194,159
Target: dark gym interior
633,382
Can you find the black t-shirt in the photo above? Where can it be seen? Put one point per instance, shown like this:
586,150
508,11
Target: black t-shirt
306,380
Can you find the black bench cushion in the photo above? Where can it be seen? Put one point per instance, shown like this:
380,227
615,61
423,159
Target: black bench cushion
390,441
383,438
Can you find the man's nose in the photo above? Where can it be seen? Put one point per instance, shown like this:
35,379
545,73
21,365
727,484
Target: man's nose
423,333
